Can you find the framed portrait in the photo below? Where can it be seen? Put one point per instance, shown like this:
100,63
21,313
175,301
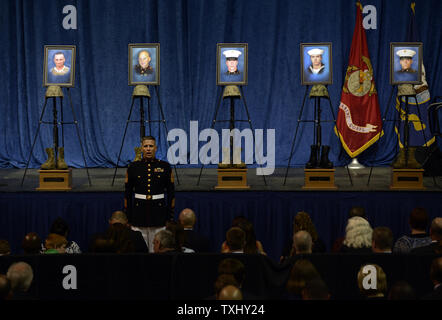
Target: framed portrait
316,63
144,64
59,66
231,64
405,63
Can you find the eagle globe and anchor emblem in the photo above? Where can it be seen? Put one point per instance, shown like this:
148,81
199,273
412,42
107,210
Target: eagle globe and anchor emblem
359,82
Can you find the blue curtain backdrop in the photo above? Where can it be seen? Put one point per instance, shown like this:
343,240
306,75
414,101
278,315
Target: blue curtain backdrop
188,32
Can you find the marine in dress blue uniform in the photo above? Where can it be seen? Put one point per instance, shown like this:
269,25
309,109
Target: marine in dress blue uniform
406,73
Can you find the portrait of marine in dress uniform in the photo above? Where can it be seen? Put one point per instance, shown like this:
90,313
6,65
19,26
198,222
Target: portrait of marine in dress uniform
406,61
59,66
316,64
144,64
231,64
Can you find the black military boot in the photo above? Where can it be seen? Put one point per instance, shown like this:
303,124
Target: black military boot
325,163
313,161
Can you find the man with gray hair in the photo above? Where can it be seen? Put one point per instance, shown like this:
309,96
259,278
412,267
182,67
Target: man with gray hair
436,238
20,275
164,241
302,242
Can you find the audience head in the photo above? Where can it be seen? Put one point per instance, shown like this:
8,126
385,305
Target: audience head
247,226
233,267
302,272
419,219
222,281
177,230
5,248
31,243
118,217
164,241
230,292
5,287
382,239
315,289
56,242
302,242
357,212
436,271
59,226
381,282
119,237
436,229
20,275
302,221
187,218
358,233
401,290
235,239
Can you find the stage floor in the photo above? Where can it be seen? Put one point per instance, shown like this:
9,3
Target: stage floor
101,179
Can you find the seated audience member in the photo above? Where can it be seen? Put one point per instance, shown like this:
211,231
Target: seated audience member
252,245
5,288
418,223
5,248
302,272
192,239
302,244
436,278
401,290
164,241
235,240
382,240
31,243
436,239
354,212
20,275
230,292
55,243
303,222
60,227
119,237
222,281
178,233
369,290
358,236
315,289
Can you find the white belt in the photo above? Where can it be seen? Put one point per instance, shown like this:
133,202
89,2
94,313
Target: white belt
149,196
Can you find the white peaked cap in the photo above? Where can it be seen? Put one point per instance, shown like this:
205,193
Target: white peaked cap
406,53
315,52
232,53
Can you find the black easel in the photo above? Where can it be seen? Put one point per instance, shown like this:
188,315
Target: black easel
407,92
52,93
142,92
317,134
231,92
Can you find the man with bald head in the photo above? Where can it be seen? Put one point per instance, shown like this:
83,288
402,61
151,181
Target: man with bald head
436,239
20,275
302,242
193,240
230,292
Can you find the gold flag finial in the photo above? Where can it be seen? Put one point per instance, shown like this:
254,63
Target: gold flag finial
359,5
413,4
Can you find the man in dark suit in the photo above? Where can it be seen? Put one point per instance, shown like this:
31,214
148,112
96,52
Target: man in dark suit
436,278
436,239
119,217
193,240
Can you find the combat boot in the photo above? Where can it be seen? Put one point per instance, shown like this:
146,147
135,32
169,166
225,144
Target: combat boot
61,164
50,163
313,161
325,163
137,154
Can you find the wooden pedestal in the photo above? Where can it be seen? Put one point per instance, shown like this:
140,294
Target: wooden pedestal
319,179
407,179
55,180
232,178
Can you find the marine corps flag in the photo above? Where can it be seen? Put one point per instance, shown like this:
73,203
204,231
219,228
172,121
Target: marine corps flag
359,118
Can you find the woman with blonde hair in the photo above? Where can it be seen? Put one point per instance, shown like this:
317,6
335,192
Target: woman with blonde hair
358,236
